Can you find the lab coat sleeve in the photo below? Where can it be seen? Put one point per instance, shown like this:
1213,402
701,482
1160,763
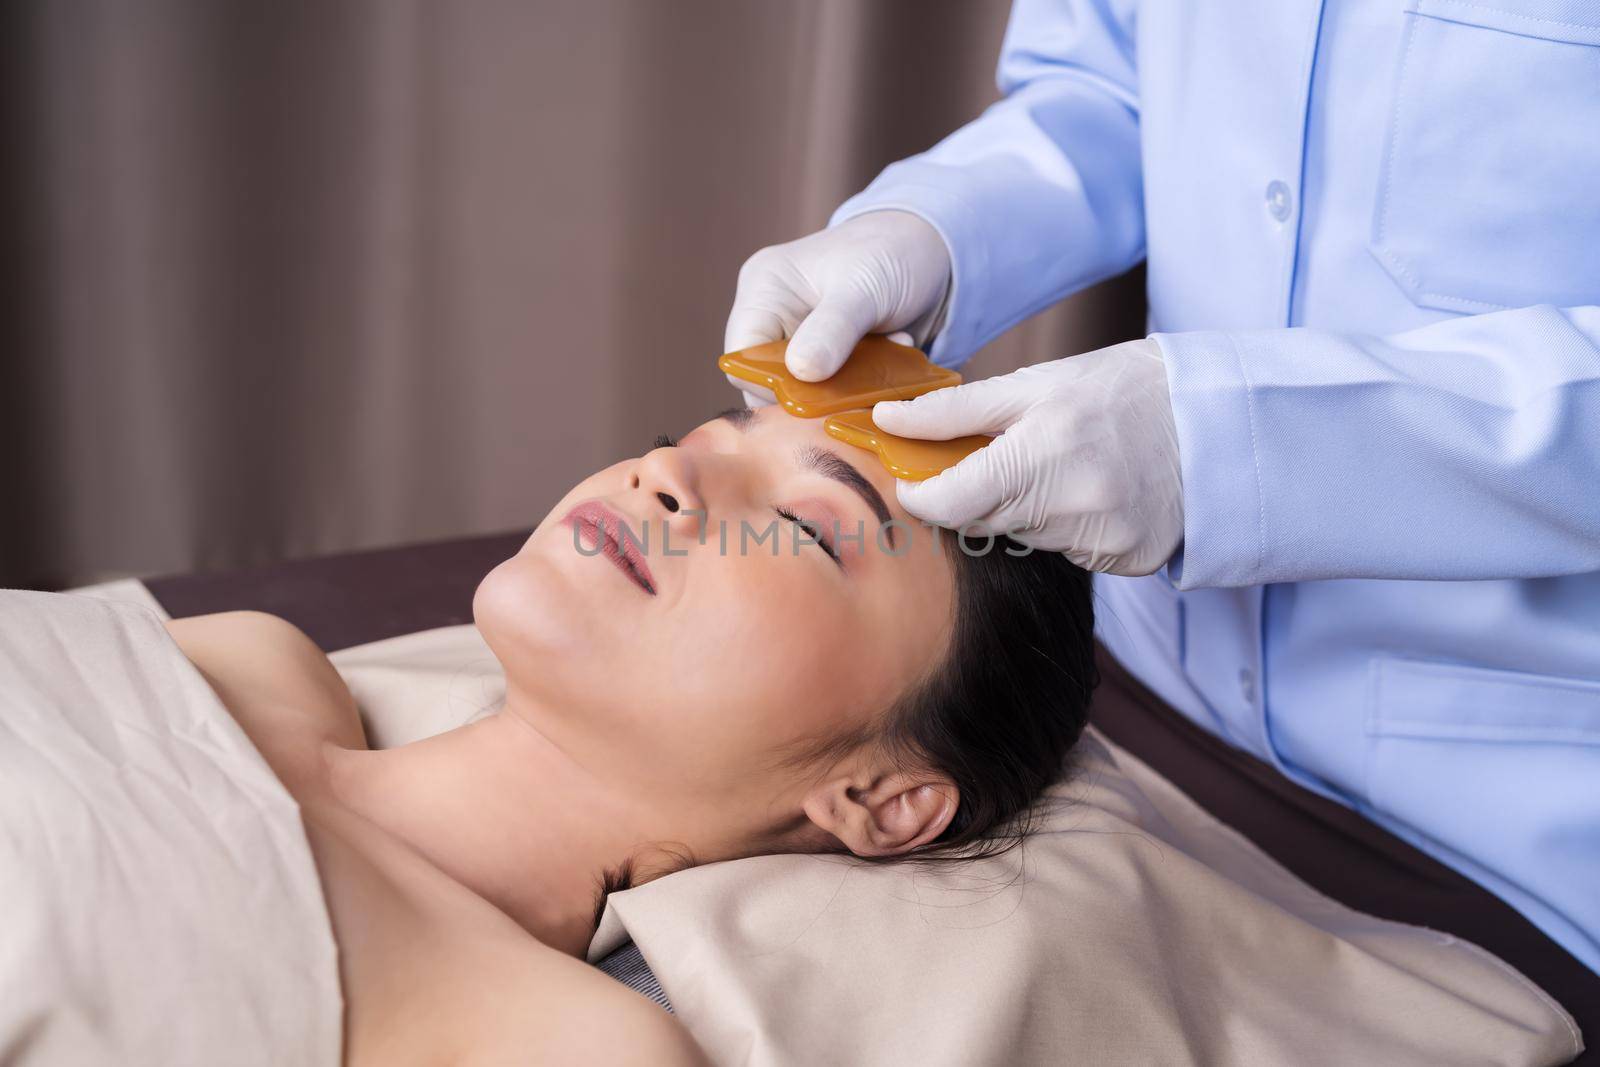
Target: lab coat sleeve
1041,195
1468,449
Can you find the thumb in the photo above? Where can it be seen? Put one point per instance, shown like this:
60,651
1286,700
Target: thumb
826,337
986,406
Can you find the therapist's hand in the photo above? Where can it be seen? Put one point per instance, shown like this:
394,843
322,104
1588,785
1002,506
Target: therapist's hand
1087,463
880,272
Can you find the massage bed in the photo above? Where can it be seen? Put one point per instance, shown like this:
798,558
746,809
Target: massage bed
358,598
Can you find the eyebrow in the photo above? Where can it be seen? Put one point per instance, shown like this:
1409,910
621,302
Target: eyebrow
739,417
830,464
827,463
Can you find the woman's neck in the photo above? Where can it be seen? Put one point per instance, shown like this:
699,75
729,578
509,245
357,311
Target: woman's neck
504,811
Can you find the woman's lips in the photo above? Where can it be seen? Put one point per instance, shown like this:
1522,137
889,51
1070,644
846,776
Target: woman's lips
603,527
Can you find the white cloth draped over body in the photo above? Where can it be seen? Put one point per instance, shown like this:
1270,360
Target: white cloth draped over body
160,902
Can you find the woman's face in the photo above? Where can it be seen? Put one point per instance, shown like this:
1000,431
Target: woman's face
710,637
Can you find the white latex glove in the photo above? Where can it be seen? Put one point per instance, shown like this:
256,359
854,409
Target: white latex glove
1087,463
881,272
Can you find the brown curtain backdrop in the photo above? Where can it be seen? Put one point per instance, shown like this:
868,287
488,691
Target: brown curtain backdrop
283,278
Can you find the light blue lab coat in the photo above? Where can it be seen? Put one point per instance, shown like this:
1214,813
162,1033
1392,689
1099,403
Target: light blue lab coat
1373,234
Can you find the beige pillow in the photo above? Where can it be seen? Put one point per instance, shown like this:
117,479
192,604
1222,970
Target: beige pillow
1132,927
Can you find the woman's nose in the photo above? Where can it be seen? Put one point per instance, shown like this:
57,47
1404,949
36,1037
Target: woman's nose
669,477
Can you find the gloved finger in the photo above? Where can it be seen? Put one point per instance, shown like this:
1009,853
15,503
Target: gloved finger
986,406
901,337
826,337
970,492
755,396
750,325
1020,521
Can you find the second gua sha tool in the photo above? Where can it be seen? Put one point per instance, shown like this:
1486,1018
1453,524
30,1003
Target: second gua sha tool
878,369
908,458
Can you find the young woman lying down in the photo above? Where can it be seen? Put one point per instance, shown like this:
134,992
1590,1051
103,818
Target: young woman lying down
737,690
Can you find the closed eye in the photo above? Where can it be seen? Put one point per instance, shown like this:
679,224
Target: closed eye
815,530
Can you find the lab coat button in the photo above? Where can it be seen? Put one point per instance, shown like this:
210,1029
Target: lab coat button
1279,202
1247,685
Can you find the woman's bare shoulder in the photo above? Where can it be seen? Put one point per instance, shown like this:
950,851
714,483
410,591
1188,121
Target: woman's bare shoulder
466,985
553,1008
270,675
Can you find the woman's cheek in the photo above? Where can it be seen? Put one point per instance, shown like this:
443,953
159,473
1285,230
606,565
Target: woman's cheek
756,624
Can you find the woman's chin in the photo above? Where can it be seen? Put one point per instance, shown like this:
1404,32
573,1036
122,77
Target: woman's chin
529,609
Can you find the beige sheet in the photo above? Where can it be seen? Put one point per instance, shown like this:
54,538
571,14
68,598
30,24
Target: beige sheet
1132,929
159,904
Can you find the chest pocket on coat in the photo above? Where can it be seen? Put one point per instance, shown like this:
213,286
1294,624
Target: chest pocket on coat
1489,190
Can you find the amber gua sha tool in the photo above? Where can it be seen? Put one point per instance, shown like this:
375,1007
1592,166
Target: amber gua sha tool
909,458
878,369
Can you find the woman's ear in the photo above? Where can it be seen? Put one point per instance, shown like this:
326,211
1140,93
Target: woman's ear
889,816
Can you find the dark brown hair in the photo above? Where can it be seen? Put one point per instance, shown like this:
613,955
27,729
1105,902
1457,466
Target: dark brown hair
1000,714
